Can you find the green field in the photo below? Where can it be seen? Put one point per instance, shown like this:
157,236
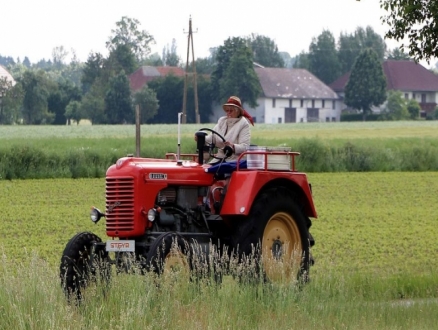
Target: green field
375,263
41,152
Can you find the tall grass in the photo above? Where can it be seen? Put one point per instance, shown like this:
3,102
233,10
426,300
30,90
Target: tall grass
81,158
31,298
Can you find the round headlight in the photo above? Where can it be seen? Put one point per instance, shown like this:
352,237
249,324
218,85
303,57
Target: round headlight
152,213
95,214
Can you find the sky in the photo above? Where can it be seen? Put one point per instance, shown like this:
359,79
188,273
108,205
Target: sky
33,28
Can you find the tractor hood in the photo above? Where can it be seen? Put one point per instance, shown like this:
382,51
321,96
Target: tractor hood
167,171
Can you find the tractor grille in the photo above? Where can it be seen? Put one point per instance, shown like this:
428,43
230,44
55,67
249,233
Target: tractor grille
120,204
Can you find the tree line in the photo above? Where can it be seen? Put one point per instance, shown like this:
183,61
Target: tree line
52,92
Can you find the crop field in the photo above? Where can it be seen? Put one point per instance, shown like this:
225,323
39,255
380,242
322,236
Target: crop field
375,265
376,243
383,223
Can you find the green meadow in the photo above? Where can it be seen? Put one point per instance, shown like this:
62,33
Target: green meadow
41,152
375,251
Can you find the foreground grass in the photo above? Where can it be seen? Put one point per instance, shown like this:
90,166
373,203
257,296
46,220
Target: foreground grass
30,298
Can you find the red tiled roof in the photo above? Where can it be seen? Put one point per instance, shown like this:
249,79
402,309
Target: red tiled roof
409,76
4,74
401,75
339,84
145,74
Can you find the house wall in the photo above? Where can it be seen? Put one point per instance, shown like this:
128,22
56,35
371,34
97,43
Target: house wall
430,98
329,110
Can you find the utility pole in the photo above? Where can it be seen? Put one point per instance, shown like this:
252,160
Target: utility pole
193,73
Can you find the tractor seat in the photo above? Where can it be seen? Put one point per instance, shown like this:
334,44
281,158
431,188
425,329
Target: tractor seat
224,169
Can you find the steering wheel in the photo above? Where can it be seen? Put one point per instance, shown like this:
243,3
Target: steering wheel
227,150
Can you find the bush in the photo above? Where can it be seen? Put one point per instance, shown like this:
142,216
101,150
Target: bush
359,117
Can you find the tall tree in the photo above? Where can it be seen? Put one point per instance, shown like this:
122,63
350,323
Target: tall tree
26,62
36,89
204,100
397,54
222,60
73,111
366,86
323,57
235,50
265,51
287,59
59,98
118,105
92,70
11,97
302,61
240,78
146,99
350,46
169,92
93,104
59,54
127,33
416,21
121,58
204,65
170,55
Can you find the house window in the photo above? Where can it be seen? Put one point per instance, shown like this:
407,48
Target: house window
323,103
290,103
279,120
273,103
333,104
313,103
406,96
302,103
327,119
333,118
423,98
414,96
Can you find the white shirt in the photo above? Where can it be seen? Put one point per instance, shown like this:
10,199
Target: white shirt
234,130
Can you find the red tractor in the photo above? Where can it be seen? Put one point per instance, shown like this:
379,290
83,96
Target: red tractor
258,206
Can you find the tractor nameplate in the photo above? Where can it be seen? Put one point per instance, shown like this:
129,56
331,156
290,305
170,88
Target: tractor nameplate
158,176
120,246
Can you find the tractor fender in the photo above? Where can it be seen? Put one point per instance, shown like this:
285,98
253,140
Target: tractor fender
245,186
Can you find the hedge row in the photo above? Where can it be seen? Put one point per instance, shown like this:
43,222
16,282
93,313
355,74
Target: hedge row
21,162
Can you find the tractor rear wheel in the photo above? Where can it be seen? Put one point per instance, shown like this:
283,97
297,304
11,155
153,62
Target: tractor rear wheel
169,254
275,234
81,263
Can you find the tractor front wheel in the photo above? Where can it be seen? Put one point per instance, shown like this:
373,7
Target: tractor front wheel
81,263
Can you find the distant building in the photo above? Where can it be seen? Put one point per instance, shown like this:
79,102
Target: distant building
412,79
4,74
291,96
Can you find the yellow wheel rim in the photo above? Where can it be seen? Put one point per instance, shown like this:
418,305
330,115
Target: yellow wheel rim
282,248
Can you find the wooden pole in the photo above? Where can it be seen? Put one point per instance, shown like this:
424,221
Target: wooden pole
195,87
137,130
